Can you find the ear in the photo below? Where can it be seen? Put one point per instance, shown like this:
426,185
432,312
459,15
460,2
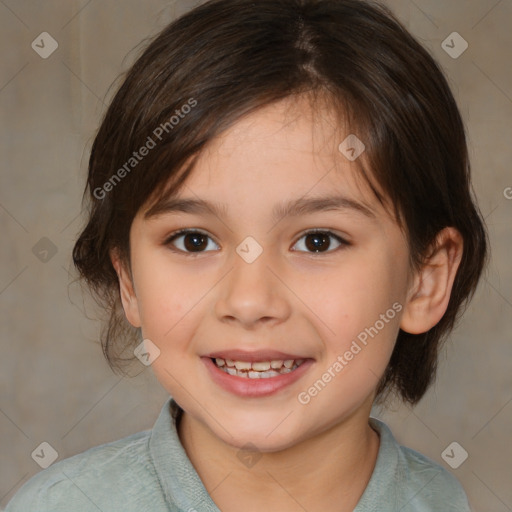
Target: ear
430,293
127,291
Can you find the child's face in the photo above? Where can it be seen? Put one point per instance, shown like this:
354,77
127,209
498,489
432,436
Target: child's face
305,305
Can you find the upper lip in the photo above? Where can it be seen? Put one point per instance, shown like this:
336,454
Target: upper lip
254,356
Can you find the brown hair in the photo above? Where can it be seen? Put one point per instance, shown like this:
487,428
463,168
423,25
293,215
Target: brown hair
227,58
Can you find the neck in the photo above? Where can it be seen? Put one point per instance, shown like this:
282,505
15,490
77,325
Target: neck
328,471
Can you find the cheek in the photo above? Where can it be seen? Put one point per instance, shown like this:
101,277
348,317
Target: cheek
163,295
355,309
171,300
160,307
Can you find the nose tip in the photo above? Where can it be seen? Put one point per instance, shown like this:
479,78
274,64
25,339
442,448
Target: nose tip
251,292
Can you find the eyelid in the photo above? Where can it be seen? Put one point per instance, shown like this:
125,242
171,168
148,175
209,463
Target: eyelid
175,234
329,231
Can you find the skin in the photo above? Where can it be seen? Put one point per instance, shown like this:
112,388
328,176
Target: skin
314,456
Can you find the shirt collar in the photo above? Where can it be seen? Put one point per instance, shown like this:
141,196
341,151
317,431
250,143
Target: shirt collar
179,480
184,489
381,488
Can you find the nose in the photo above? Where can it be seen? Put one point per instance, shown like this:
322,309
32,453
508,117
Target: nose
252,293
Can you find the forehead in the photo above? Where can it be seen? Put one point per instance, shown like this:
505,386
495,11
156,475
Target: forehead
288,145
286,151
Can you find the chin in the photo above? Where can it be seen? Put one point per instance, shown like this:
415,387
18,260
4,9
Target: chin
271,434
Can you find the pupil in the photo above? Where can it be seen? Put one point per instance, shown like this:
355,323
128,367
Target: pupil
195,245
318,240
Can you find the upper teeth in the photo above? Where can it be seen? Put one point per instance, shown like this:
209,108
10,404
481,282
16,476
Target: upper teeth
257,365
249,369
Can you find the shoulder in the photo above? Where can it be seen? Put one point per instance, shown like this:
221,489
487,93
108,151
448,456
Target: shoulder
98,478
421,484
432,483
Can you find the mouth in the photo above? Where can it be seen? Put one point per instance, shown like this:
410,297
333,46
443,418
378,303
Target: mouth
255,374
257,369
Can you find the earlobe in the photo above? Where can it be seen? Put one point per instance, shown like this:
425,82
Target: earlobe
430,293
127,291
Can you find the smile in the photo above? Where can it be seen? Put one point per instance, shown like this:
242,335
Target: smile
257,369
255,374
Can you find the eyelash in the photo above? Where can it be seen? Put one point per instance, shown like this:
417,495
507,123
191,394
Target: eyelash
168,241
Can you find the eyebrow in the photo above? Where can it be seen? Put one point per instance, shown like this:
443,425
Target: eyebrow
297,207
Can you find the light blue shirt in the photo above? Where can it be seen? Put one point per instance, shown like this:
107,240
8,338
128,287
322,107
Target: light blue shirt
150,472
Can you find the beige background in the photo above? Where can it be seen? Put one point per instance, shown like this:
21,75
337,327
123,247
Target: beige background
55,385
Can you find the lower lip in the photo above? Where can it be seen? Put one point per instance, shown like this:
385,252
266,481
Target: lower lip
246,387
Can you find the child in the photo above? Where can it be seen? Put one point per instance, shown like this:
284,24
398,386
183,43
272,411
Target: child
281,209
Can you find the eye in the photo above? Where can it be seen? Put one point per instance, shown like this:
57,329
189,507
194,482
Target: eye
320,241
193,240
